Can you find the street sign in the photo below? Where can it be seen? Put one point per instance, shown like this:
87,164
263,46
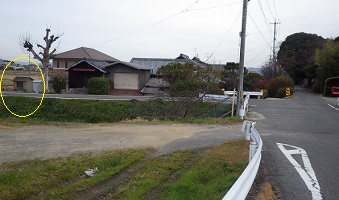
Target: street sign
288,91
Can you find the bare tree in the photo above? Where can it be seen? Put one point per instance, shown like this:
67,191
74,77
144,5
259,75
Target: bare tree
44,54
267,70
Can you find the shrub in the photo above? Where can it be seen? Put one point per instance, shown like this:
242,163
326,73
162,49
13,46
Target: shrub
281,93
193,88
98,85
279,82
59,82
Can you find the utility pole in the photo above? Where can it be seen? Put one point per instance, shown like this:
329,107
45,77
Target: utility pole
274,70
240,92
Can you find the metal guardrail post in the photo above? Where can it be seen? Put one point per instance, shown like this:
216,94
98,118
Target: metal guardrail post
248,131
253,150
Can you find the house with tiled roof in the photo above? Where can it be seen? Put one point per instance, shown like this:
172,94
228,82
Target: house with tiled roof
68,58
156,63
123,75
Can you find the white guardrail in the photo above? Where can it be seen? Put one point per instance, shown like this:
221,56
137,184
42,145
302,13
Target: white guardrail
244,183
258,94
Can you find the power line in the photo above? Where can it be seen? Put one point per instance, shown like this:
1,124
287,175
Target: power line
214,7
258,29
270,9
145,27
256,56
223,38
275,9
267,21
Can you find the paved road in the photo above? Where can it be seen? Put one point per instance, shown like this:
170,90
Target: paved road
308,122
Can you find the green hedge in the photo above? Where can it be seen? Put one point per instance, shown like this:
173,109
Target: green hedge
193,88
98,85
279,82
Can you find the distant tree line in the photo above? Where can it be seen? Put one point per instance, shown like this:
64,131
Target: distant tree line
309,59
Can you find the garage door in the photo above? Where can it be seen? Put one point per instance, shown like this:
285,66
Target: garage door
126,81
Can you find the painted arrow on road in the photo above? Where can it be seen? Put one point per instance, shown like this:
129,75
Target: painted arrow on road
306,173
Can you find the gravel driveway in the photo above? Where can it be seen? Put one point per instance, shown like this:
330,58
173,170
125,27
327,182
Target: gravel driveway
41,142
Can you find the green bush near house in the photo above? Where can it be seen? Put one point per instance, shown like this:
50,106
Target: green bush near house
191,88
59,83
277,83
98,86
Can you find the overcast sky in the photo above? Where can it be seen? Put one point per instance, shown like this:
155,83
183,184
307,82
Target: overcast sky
165,28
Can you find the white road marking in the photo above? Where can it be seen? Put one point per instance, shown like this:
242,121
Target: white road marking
307,174
332,106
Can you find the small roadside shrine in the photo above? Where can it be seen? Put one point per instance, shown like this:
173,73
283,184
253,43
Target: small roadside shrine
23,83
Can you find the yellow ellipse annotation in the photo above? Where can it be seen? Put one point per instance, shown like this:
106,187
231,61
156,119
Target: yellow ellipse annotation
43,94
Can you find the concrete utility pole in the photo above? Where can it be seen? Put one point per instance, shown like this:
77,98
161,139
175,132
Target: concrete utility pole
240,93
274,70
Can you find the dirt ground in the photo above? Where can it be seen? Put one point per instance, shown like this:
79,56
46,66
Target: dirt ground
42,142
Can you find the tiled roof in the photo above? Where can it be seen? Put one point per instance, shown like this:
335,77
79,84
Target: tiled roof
84,52
134,65
102,64
22,78
156,63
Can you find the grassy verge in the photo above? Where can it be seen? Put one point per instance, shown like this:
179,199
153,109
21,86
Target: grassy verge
61,178
179,175
210,177
90,111
150,175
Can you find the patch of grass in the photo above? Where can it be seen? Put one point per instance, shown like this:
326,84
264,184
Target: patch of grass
210,177
213,176
151,175
62,177
179,175
91,111
267,192
208,120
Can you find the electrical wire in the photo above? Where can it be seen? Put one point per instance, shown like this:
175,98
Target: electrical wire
268,5
223,37
275,9
148,26
259,30
215,7
266,20
256,56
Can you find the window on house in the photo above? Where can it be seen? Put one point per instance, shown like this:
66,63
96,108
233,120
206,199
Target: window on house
66,65
57,64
